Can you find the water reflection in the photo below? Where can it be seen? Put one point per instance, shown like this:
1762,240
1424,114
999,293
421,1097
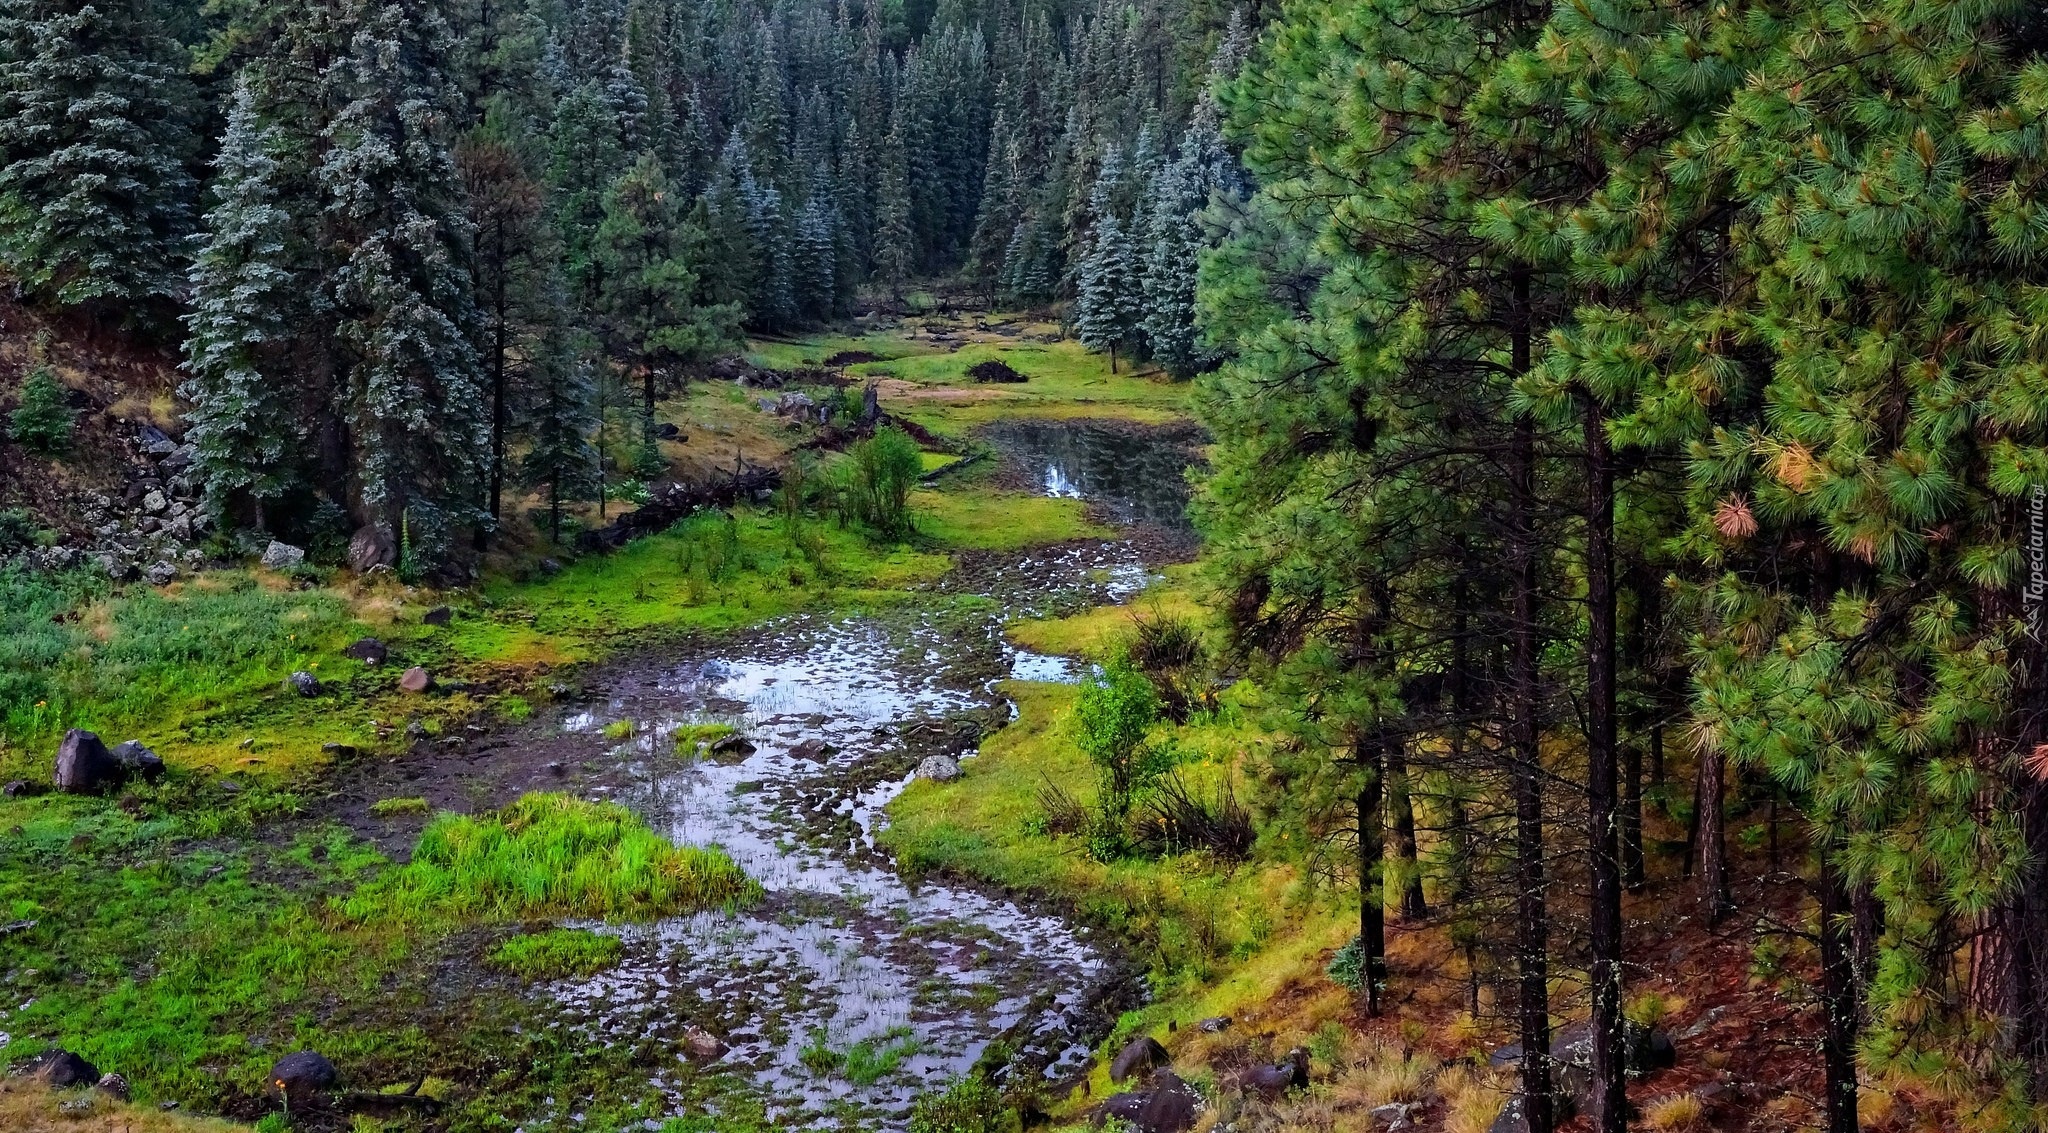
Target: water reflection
1136,476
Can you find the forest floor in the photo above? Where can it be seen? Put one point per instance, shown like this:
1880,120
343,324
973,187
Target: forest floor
186,935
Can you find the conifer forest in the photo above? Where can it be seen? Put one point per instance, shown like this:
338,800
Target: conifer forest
975,566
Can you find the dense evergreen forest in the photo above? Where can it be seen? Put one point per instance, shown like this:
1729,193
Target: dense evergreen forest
1622,414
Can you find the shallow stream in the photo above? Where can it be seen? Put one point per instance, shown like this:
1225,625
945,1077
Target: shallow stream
845,955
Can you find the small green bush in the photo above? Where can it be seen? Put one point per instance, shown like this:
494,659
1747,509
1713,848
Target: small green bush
1347,967
43,419
873,484
558,954
969,1105
18,530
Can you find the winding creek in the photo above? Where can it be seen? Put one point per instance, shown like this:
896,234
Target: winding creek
839,710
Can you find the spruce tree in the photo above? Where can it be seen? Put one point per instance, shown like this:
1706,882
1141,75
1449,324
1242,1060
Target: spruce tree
1109,308
560,460
416,400
42,419
247,419
96,204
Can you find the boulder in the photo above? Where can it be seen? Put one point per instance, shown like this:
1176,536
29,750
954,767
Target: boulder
137,761
161,572
114,1086
1273,1081
1214,1025
63,1070
438,616
415,679
368,650
302,1077
1138,1057
17,788
154,501
668,431
1168,1105
303,683
702,1045
84,765
550,567
282,556
370,548
939,768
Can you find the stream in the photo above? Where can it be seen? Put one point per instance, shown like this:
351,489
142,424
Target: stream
916,980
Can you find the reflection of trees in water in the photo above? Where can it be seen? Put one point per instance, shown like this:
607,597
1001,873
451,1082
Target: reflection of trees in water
1138,477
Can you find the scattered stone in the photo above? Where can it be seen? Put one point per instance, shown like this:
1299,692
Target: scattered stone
63,1070
117,568
702,1044
731,744
303,683
137,761
557,769
1138,1056
550,567
282,556
12,927
154,501
114,1086
302,1077
84,765
939,768
438,616
370,548
160,572
16,788
368,650
1168,1106
1214,1025
415,679
815,750
339,751
415,730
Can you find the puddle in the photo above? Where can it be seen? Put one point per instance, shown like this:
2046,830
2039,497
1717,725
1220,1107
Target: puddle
843,949
1136,476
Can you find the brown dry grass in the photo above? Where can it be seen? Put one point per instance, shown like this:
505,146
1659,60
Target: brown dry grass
28,1107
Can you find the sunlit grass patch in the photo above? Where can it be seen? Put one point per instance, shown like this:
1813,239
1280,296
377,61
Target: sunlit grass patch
393,808
1000,521
557,954
550,855
1092,633
28,1107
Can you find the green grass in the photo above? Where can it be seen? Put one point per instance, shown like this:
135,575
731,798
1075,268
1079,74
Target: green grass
999,521
933,461
557,954
178,670
811,351
393,808
688,736
871,1059
550,855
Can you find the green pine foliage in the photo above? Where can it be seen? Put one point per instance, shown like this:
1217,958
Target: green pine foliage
96,201
43,418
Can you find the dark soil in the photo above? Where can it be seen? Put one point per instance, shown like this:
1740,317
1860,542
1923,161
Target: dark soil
995,370
853,358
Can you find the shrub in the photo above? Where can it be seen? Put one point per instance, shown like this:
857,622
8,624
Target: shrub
969,1105
43,419
1176,821
874,482
558,954
551,855
1115,711
1347,967
18,530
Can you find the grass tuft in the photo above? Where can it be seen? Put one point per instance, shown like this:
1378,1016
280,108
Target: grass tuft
550,855
393,808
557,954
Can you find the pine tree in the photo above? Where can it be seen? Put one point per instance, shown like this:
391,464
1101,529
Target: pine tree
247,420
1109,309
816,262
416,405
895,252
42,420
560,461
96,205
651,318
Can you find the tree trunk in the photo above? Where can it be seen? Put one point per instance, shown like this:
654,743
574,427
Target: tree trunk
1414,906
1532,916
1633,871
1838,995
1372,842
1711,839
1610,1081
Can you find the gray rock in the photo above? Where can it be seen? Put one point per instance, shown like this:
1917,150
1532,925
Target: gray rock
181,458
1214,1025
303,683
550,567
180,528
1138,1056
137,761
282,556
1169,1105
731,743
415,679
161,572
371,547
154,501
1393,1115
116,567
368,650
438,616
114,1086
815,750
939,768
302,1077
63,1070
702,1044
84,765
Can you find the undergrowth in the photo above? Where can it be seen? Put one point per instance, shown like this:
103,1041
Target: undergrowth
557,954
